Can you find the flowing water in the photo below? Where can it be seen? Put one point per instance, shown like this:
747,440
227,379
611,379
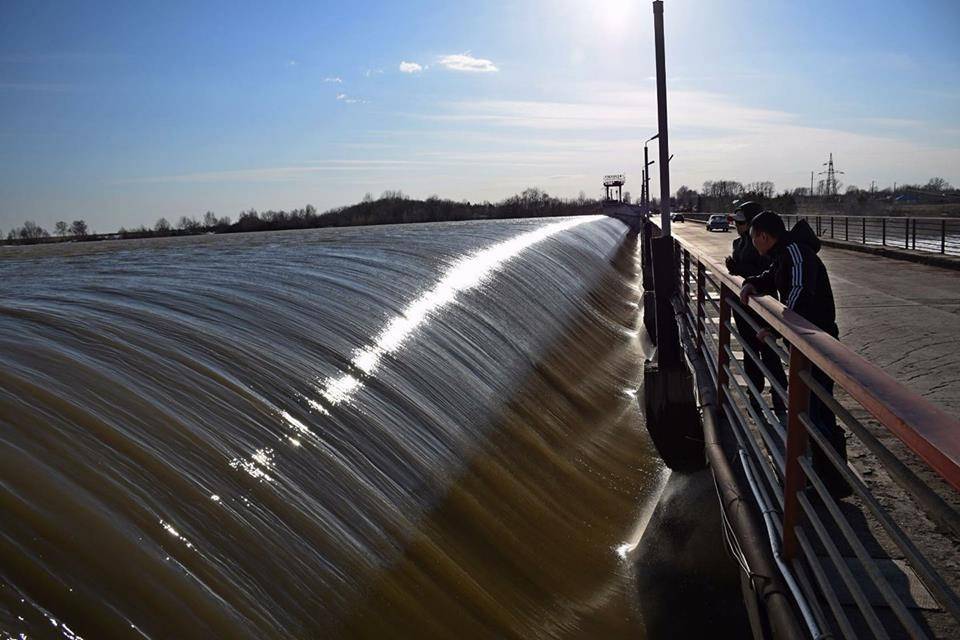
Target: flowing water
400,431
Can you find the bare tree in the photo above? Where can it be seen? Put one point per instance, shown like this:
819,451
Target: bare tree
209,219
162,226
78,228
938,184
186,223
29,232
61,228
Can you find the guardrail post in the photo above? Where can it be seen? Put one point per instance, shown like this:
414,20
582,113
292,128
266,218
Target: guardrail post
723,360
864,230
818,227
686,279
943,236
701,292
831,226
798,402
883,231
906,233
846,228
914,233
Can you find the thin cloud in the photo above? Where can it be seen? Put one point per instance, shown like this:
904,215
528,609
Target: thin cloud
335,79
371,72
410,67
291,63
342,97
466,62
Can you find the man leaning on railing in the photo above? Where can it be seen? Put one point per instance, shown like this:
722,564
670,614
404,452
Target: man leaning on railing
801,280
746,261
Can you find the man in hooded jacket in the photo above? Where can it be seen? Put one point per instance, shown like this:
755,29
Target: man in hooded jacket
746,262
801,280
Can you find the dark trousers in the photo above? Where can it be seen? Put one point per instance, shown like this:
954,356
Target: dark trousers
770,360
826,422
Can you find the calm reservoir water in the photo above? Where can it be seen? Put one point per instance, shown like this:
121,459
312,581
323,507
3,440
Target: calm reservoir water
405,431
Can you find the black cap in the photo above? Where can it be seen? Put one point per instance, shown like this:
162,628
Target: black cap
746,211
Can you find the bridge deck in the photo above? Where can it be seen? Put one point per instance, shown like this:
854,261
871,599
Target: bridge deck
904,317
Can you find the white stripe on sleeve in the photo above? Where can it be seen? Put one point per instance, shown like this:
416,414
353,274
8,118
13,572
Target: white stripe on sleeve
797,280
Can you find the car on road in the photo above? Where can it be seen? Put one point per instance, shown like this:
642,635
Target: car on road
718,223
676,217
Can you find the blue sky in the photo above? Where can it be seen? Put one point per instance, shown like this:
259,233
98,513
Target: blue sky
120,113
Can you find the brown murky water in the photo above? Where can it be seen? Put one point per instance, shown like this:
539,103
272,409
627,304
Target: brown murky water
401,431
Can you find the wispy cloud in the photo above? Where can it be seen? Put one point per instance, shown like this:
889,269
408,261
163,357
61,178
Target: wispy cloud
372,72
410,67
291,63
335,79
342,97
466,62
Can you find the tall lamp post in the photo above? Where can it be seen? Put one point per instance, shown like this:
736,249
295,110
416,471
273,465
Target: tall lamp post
672,416
662,119
645,191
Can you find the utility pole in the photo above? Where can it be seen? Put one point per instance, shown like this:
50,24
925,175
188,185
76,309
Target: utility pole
672,416
811,184
662,119
646,172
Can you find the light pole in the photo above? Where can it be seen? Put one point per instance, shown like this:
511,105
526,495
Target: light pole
645,191
662,118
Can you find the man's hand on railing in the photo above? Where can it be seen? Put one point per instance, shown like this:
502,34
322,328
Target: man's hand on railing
765,333
745,293
731,265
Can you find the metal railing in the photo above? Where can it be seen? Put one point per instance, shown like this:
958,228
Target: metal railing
841,589
933,235
929,235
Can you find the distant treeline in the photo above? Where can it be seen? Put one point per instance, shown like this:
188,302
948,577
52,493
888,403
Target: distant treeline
392,207
718,195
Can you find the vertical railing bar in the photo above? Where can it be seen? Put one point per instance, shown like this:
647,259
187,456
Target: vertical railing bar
798,402
768,413
829,594
863,604
812,598
764,433
866,561
748,444
942,592
701,285
774,384
723,342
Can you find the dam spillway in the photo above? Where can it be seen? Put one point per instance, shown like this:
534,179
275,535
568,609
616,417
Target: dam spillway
407,430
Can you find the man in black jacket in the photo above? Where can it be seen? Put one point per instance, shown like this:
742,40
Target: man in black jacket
801,280
746,261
